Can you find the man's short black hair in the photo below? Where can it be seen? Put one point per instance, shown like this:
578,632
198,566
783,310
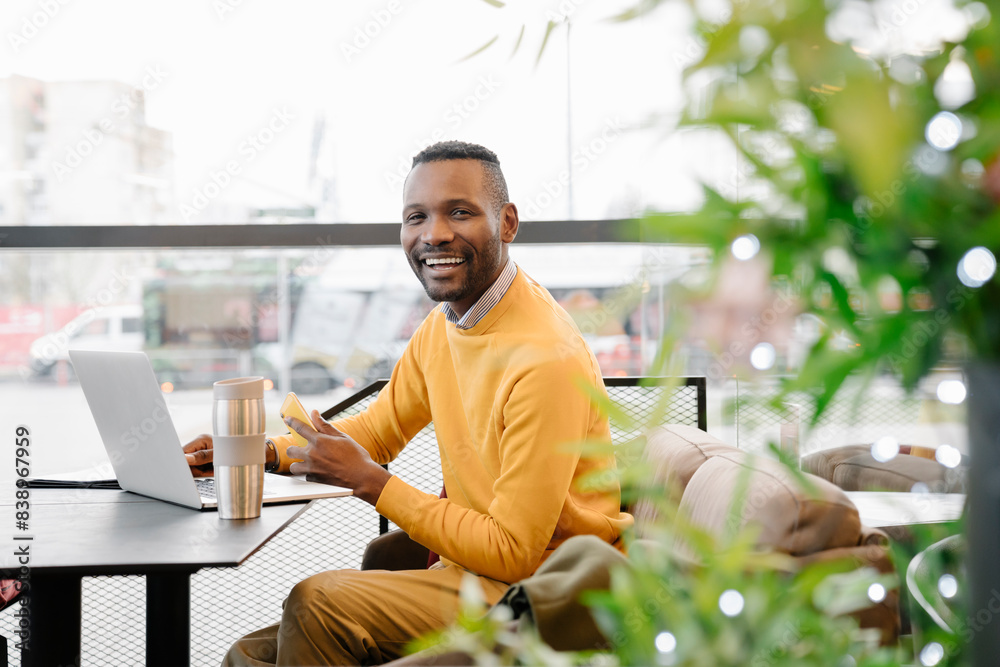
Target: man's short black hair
496,185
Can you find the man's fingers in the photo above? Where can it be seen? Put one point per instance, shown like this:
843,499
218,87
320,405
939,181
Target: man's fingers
322,425
300,468
300,427
203,441
296,452
199,457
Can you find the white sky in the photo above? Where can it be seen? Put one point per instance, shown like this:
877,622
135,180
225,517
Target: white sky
226,75
227,71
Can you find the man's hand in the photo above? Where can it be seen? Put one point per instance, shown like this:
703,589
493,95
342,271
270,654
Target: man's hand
334,458
198,453
199,456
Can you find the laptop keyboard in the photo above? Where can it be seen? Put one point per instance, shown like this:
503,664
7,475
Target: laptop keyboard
206,488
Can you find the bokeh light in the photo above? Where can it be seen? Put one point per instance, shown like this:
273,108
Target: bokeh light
931,654
666,642
876,592
948,586
977,267
944,131
948,456
762,356
885,449
955,86
731,602
951,391
745,247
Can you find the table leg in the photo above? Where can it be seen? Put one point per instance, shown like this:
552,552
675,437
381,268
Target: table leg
168,619
54,621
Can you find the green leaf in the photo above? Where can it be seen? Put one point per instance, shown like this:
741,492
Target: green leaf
791,463
517,44
495,3
632,13
605,404
846,593
480,49
548,32
842,299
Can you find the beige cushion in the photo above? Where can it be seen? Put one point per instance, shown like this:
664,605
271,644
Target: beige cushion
825,462
853,468
706,471
677,451
791,519
674,452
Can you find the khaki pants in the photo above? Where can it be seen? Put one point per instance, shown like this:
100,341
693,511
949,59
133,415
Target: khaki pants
350,617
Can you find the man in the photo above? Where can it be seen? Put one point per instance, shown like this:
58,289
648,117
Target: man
498,368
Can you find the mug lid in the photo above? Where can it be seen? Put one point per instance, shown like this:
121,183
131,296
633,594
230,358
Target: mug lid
239,388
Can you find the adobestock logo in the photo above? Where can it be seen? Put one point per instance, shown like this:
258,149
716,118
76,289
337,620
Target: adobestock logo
582,158
563,11
32,25
453,117
142,431
249,149
121,109
51,347
224,7
264,308
363,36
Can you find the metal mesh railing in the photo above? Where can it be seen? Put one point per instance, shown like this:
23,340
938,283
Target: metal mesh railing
854,416
227,603
113,619
644,403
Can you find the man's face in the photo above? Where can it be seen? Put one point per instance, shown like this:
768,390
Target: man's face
454,240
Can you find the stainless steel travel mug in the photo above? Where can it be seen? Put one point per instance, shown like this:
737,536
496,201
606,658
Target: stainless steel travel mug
238,444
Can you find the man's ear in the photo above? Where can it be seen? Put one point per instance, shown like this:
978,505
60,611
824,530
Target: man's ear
508,222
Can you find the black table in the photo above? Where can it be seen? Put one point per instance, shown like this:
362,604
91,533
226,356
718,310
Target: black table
79,533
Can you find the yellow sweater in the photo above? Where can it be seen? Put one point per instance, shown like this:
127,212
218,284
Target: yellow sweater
509,415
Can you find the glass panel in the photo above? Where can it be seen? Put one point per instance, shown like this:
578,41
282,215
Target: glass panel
321,321
324,321
321,125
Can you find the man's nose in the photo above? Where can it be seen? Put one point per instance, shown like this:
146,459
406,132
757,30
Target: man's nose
437,231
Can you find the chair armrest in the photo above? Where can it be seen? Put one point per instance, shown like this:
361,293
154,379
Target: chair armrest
394,551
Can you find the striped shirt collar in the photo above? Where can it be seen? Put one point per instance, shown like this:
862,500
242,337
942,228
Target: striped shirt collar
485,303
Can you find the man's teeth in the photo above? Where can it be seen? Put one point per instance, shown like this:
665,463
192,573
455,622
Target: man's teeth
445,260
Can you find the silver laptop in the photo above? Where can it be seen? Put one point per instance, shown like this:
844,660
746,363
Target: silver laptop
144,449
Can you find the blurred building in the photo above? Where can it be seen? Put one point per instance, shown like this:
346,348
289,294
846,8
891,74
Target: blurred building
82,153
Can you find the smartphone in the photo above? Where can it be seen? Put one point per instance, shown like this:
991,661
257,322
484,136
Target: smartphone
292,407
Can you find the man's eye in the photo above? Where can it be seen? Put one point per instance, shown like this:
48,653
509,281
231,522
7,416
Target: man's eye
416,217
462,211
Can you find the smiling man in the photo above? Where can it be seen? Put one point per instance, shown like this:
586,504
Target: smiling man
458,250
497,368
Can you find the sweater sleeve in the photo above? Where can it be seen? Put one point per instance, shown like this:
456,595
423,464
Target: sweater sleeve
545,417
399,412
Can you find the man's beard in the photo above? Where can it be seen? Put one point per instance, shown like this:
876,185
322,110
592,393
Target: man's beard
481,268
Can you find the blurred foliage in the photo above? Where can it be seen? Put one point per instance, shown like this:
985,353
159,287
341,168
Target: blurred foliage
835,177
666,610
690,597
491,637
927,542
